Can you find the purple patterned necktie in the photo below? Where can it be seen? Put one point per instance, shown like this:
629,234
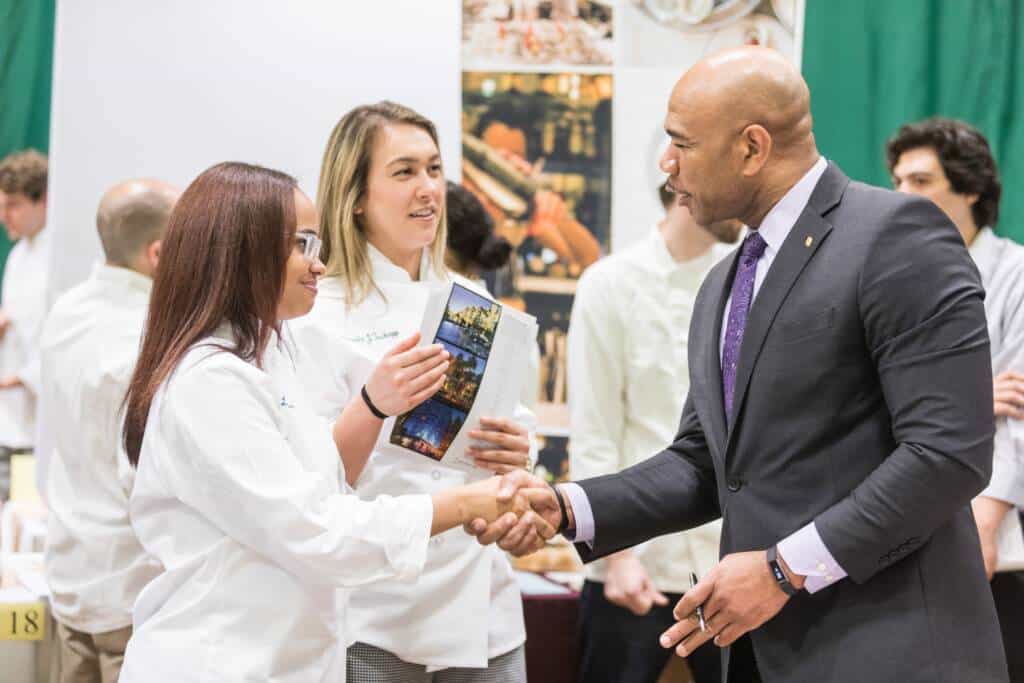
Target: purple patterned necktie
742,293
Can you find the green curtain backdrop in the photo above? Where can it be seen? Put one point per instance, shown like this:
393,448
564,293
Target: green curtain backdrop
873,65
26,73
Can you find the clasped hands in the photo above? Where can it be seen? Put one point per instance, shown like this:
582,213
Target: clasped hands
738,595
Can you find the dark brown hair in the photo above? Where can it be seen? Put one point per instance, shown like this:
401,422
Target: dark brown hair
471,237
965,157
223,260
24,172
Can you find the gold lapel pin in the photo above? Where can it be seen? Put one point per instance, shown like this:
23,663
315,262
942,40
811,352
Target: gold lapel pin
809,241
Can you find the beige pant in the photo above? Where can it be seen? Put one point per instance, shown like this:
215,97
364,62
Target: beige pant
91,657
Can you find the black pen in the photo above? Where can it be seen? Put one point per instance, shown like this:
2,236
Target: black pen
700,608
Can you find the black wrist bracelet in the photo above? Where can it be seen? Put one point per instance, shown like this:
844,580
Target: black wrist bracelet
778,573
369,404
564,524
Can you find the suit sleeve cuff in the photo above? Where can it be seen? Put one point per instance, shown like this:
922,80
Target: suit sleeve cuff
806,554
582,513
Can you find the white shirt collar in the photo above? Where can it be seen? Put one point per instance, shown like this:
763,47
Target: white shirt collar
984,250
665,264
783,216
384,270
124,277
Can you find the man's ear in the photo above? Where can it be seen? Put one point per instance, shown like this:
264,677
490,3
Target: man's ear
153,254
756,145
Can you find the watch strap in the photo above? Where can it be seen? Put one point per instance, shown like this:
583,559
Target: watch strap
778,572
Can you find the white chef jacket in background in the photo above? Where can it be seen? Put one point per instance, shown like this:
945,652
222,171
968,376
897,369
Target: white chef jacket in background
23,298
466,607
628,380
1001,264
239,495
95,566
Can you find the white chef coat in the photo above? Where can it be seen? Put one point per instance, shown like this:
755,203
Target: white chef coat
1001,264
95,566
23,299
239,494
628,380
466,607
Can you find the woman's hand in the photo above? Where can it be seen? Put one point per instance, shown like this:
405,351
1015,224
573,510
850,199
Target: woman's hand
507,446
488,499
407,375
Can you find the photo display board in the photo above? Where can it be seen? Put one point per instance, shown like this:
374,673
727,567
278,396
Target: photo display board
563,103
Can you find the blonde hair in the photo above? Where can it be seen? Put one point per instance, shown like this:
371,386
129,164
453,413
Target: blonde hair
343,181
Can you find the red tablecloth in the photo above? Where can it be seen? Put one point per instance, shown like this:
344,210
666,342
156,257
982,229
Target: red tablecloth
552,637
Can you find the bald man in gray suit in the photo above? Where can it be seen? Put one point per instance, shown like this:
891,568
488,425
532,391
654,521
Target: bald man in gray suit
840,414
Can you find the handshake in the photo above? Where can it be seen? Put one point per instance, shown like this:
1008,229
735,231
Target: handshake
518,511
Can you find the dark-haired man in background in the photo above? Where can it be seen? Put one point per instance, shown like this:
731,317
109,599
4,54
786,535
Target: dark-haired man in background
950,163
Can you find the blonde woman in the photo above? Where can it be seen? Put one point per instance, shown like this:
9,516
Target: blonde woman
382,219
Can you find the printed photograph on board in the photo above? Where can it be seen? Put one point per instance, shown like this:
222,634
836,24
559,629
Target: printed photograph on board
499,34
536,150
429,428
662,33
463,377
466,331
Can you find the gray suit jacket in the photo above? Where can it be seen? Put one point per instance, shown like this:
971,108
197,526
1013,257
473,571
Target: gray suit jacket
863,402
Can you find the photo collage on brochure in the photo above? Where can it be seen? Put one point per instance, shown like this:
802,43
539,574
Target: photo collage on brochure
552,92
466,331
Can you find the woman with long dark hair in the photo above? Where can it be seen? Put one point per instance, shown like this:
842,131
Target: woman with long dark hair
240,488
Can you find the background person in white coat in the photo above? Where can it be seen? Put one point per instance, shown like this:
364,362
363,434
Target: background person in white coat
95,565
239,491
23,181
951,163
382,217
628,379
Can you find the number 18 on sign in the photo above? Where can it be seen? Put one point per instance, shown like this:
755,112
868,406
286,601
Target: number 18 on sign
22,621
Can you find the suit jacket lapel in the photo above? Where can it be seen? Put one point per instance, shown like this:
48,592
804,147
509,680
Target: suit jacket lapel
799,247
719,285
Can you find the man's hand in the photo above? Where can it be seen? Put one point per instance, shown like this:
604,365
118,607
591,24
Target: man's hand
10,382
627,584
1008,392
988,515
738,595
520,537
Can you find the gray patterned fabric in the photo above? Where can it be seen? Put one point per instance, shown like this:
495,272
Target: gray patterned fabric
369,664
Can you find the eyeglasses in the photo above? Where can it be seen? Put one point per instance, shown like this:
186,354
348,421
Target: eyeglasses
309,244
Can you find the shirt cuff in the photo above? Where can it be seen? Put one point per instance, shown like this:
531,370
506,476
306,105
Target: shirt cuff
1007,481
581,512
806,554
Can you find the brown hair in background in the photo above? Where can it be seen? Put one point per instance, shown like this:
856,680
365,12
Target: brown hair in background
222,261
24,172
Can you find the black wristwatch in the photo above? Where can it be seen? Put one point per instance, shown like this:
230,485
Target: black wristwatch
563,526
778,572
